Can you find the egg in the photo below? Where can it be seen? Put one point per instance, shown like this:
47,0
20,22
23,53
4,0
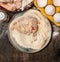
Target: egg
42,3
50,10
57,17
56,2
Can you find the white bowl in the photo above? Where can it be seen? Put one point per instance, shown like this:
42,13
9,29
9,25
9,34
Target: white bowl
28,50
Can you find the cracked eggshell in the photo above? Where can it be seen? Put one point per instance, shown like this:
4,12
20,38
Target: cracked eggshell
26,4
42,3
57,17
4,17
56,2
50,10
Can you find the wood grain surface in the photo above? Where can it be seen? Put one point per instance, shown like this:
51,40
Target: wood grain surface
10,54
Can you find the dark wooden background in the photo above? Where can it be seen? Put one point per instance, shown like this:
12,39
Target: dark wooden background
9,54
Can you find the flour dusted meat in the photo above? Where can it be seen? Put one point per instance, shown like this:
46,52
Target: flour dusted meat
13,5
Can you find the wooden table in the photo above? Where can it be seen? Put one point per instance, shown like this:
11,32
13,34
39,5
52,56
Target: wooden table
9,54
